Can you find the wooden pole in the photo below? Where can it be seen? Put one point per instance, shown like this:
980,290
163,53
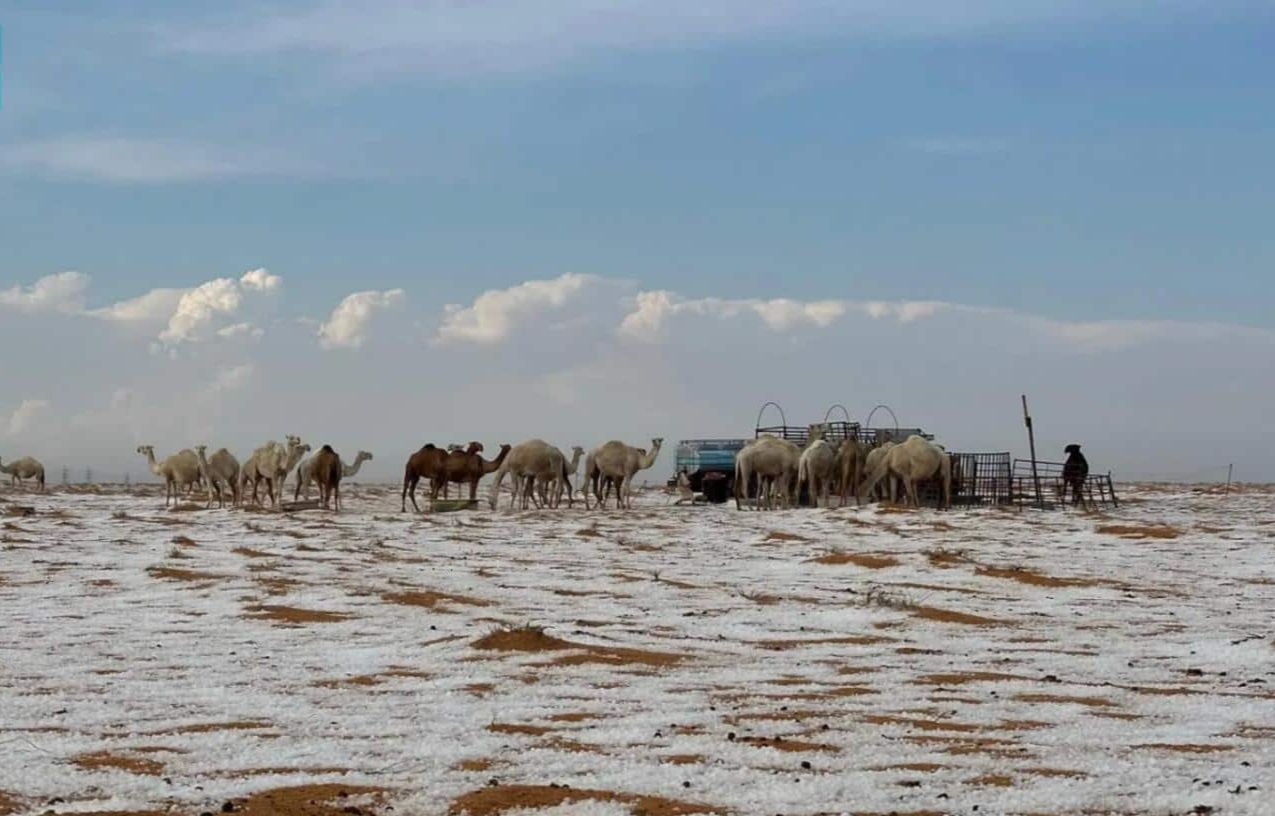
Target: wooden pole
1031,440
1229,470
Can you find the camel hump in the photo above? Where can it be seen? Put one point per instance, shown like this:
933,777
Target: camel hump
327,449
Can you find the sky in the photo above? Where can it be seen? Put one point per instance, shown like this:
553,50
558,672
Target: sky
380,224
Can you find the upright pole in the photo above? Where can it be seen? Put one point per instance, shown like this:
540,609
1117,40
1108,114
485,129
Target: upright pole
1229,470
1031,440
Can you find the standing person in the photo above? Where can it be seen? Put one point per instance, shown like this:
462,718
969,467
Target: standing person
1075,471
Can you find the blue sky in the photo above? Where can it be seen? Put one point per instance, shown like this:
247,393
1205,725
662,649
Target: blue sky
1071,161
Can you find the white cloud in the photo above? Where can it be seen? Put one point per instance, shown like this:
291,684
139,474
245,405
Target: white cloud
497,312
62,292
242,331
200,308
26,414
905,311
231,378
122,160
652,310
260,280
156,306
348,325
463,40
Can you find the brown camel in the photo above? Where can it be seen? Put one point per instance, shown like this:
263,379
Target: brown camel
325,469
466,466
422,465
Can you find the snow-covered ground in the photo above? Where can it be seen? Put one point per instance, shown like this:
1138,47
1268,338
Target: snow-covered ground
664,660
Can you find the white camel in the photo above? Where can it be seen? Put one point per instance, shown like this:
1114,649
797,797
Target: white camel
914,461
850,467
305,473
568,473
178,471
620,463
872,460
774,461
529,462
816,469
222,469
23,469
271,464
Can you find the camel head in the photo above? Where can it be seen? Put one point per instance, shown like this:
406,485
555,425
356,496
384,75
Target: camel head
363,456
293,440
451,448
200,450
1072,448
474,447
146,450
576,450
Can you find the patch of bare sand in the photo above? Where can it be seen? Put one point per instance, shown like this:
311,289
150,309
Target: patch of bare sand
492,801
1092,702
865,560
790,746
916,767
1023,575
310,800
991,781
576,716
476,764
683,759
534,640
964,678
177,574
429,599
780,535
920,724
119,761
938,615
9,804
519,728
294,615
1140,531
1185,748
852,640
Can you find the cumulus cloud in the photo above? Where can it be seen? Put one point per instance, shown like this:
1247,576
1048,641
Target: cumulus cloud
200,308
180,315
26,414
350,321
156,306
652,311
495,314
62,292
260,280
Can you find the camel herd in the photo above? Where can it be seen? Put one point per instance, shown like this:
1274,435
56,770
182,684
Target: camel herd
541,474
269,465
782,468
